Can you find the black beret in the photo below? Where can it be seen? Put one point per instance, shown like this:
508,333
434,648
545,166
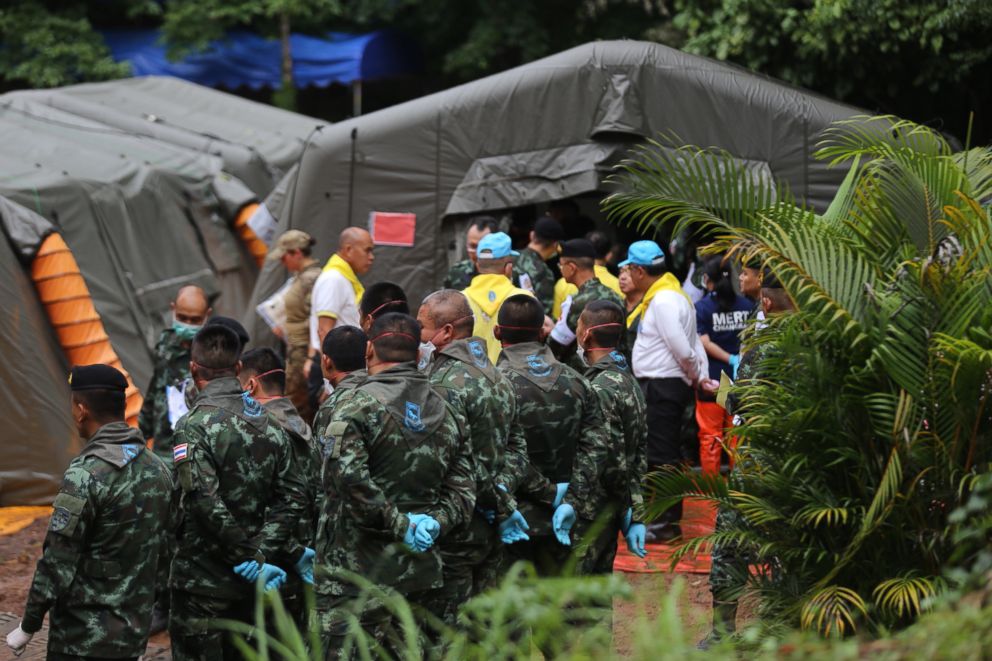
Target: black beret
549,229
230,324
96,377
578,248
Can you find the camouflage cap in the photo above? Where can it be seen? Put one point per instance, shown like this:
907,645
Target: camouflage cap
290,240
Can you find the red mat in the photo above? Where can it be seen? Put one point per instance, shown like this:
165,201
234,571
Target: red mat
698,519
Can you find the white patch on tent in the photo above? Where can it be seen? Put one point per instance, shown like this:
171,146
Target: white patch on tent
263,224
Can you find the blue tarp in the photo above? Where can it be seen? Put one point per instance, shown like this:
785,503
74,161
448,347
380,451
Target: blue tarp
249,60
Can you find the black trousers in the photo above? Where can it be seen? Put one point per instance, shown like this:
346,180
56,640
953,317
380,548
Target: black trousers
666,400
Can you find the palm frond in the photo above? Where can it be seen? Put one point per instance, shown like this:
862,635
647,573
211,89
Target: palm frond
832,611
906,596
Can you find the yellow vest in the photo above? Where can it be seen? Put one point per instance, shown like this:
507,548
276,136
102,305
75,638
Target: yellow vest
563,290
485,296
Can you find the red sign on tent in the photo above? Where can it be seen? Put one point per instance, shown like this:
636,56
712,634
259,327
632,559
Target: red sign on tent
392,229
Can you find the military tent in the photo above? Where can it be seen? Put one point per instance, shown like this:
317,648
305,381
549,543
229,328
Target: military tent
257,143
547,130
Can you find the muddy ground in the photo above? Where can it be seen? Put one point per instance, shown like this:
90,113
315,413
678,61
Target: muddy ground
20,551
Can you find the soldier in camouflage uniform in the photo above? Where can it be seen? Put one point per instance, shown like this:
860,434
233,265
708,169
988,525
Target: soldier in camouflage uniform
578,263
462,372
393,450
189,312
608,479
96,576
461,273
530,270
264,379
559,417
240,502
729,563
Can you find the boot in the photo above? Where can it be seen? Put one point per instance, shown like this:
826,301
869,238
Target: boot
724,624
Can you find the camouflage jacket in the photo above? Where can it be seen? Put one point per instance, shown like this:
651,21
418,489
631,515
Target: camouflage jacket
463,373
106,538
171,369
392,447
306,463
610,475
460,275
241,499
539,278
591,290
558,416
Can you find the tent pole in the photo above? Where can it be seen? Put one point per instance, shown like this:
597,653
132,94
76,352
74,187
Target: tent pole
356,98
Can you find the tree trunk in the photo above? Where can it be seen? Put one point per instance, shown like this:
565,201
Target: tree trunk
286,96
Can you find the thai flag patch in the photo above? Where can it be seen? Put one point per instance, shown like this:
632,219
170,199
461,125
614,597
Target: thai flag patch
179,453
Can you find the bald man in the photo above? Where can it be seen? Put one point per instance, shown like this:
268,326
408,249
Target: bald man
161,410
337,292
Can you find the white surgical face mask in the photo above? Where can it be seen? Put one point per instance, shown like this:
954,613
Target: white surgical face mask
427,350
581,353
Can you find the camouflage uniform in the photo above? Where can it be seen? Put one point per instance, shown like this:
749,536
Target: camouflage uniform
298,338
306,465
460,275
392,447
559,417
171,369
542,280
96,576
608,479
471,554
241,500
591,290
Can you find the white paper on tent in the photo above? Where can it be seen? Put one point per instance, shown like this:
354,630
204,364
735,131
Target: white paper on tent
273,309
263,224
176,399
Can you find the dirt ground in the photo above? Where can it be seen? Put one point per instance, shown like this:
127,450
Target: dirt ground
20,551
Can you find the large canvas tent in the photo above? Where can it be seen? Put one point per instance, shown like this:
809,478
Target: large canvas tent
257,143
547,130
39,438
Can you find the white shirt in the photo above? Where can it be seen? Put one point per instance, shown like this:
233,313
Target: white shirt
332,296
667,344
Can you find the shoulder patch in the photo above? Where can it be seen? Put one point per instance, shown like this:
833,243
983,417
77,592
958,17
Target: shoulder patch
252,409
130,451
619,359
329,446
537,366
180,453
412,419
478,352
65,513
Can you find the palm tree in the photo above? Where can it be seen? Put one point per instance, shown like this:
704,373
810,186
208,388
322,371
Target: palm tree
871,416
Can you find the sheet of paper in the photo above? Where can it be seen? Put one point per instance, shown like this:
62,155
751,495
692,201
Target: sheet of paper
175,397
273,309
724,391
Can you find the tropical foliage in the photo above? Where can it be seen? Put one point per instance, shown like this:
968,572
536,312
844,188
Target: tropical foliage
869,418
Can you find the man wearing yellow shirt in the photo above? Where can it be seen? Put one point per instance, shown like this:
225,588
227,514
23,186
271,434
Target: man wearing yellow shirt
491,287
601,243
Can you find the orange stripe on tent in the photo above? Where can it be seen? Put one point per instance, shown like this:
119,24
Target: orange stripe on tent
70,309
255,245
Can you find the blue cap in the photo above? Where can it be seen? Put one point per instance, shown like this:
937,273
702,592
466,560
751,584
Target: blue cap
644,253
495,246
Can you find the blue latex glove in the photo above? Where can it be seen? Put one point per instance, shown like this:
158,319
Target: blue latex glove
248,570
426,532
635,539
628,516
272,576
735,362
562,487
514,528
304,566
410,538
562,522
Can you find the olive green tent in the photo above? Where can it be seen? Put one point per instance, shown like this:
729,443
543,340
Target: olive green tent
547,130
